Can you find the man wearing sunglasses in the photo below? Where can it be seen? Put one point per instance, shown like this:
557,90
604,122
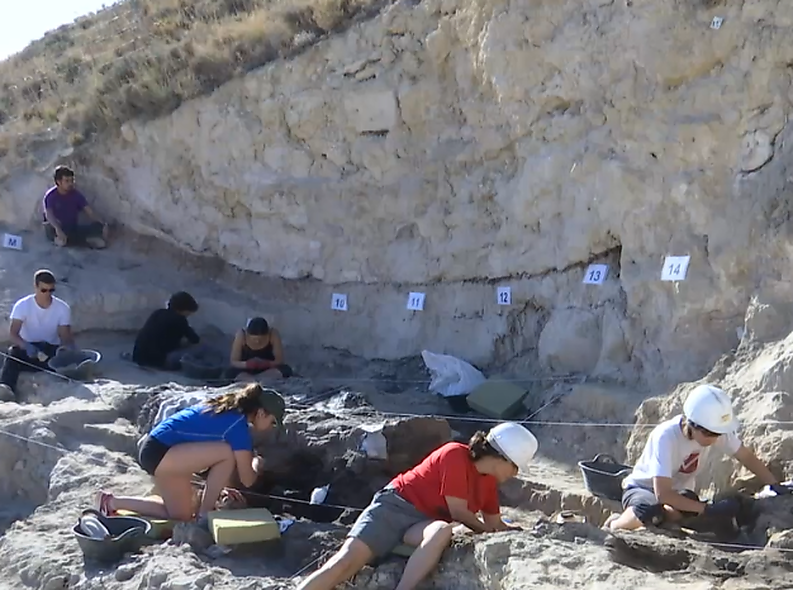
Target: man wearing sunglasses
40,324
660,487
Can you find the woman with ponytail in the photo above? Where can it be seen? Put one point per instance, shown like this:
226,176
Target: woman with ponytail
213,436
456,483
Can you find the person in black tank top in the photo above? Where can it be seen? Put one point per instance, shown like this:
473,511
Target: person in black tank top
257,352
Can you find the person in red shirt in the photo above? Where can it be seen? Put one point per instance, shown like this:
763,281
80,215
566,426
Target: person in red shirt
453,484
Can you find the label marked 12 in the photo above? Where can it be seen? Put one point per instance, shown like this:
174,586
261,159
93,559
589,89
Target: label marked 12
596,274
675,268
415,301
338,302
504,295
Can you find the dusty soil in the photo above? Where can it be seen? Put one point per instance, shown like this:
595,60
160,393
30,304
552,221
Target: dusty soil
68,439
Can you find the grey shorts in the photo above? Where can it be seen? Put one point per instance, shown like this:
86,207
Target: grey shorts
383,524
646,506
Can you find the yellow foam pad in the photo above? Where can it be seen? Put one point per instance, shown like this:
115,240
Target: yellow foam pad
496,399
160,528
249,525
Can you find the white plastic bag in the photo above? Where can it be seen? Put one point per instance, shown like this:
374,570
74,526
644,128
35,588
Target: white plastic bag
450,375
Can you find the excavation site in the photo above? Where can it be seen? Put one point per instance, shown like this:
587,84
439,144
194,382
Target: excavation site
448,216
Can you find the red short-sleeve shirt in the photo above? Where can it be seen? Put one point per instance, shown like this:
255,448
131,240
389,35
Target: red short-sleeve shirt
447,471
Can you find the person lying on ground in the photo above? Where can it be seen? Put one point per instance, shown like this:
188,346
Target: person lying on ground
257,352
659,489
418,507
63,204
160,343
40,325
215,436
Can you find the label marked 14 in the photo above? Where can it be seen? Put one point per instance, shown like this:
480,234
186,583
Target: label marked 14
415,301
338,302
11,241
596,274
504,295
675,268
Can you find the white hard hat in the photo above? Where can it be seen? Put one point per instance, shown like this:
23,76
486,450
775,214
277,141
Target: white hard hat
710,407
515,442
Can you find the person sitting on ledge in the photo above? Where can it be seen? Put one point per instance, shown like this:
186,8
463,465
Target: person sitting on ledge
160,342
214,435
62,207
40,324
659,490
418,507
257,352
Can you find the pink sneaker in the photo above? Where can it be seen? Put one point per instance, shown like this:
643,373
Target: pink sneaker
103,502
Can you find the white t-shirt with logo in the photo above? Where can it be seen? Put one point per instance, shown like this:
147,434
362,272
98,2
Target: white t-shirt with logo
668,453
40,324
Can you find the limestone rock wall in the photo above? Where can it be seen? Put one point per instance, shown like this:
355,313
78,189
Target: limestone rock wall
449,145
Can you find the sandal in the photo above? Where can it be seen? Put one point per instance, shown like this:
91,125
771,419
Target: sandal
102,504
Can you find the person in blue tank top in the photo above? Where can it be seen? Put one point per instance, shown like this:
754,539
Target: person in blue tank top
214,435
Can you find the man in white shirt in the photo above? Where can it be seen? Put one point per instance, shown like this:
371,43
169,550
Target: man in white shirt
660,486
40,324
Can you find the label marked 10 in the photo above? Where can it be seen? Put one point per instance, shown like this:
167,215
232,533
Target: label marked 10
11,241
504,295
415,301
675,268
338,302
596,274
715,24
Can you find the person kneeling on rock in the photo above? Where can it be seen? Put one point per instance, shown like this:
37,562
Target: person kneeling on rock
418,507
214,435
40,324
159,342
659,488
257,351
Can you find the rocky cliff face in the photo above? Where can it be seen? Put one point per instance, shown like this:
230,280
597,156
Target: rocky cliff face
449,146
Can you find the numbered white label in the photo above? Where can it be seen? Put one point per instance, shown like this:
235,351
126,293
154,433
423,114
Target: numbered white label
596,274
415,301
716,23
504,295
675,268
12,241
338,302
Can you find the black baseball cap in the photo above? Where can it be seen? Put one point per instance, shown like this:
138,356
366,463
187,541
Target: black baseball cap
271,402
257,326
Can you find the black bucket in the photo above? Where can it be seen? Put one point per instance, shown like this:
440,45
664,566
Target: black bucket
127,535
603,476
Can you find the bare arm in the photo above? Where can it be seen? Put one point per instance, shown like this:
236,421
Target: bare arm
13,332
494,521
748,459
236,351
246,467
92,214
53,221
66,335
667,495
458,510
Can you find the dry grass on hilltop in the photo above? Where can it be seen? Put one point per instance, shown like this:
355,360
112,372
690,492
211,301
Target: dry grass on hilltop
143,58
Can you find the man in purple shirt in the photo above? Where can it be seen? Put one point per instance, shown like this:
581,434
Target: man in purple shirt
62,207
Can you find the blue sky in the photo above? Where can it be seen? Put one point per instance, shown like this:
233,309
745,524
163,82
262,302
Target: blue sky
26,20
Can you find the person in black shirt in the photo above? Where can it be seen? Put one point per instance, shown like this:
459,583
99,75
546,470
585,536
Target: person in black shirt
159,342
